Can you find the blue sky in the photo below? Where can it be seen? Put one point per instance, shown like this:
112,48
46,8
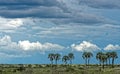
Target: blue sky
30,30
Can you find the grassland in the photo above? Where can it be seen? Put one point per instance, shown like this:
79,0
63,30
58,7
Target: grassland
59,69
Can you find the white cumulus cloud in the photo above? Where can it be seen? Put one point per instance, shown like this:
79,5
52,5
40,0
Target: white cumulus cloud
7,46
112,47
27,45
85,46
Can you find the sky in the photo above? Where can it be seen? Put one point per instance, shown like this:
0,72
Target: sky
30,30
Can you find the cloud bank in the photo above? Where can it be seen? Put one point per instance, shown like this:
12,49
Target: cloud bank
8,47
57,11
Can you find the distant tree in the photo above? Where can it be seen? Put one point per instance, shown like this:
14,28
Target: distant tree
108,56
51,57
57,57
103,59
65,59
87,56
71,57
113,56
98,57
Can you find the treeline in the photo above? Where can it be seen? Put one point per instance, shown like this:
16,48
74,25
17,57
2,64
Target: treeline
104,58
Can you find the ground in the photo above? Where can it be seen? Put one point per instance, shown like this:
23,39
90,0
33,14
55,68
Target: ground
59,69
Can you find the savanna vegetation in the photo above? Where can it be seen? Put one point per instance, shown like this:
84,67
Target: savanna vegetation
106,65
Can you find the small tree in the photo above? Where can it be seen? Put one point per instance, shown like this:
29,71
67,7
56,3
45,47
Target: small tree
51,57
57,57
98,57
65,59
113,56
87,56
103,59
108,56
71,57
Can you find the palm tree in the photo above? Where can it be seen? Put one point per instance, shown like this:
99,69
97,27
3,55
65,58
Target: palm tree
87,56
51,57
108,56
113,56
57,57
65,59
98,57
71,57
103,59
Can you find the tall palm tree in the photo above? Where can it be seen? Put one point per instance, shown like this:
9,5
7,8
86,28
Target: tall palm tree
103,59
51,57
87,56
84,55
65,59
108,56
71,57
113,56
57,57
98,57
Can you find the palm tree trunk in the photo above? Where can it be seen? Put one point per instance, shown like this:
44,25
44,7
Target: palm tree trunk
70,61
103,65
100,63
66,63
86,61
113,62
109,61
51,62
106,62
56,62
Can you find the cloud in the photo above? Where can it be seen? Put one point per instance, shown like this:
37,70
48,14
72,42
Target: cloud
5,40
57,11
9,25
85,46
31,2
43,28
74,32
102,4
26,45
33,8
8,47
112,47
37,11
5,55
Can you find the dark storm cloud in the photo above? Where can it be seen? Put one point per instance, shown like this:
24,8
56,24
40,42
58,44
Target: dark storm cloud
47,9
32,8
34,11
29,2
55,14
